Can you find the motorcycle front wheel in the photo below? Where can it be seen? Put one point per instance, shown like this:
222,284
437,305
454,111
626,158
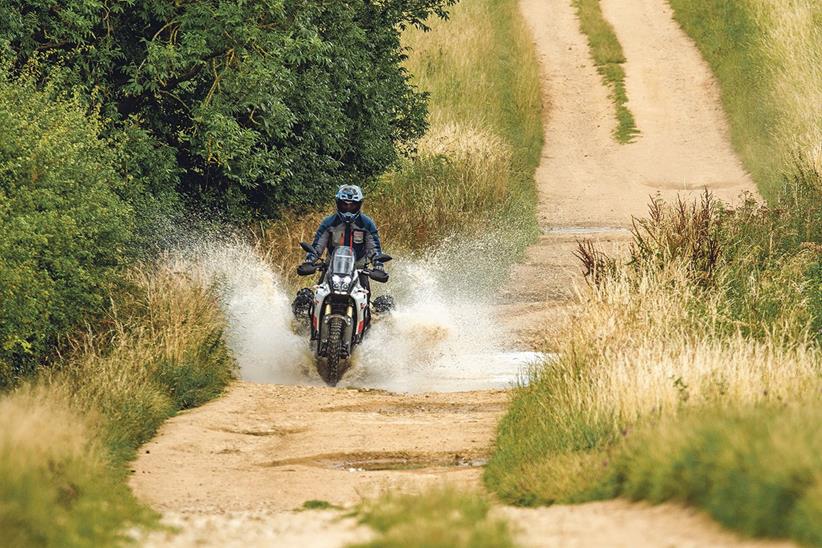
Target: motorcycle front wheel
335,350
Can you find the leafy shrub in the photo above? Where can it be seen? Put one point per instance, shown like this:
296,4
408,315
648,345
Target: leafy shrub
63,228
263,103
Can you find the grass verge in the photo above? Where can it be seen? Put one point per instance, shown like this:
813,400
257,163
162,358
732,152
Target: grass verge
442,517
608,58
694,373
766,55
66,438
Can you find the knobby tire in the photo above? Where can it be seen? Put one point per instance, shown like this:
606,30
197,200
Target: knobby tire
335,331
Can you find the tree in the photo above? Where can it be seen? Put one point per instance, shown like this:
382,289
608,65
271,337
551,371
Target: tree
64,230
264,103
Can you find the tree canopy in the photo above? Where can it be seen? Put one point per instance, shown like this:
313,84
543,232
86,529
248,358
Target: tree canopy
261,104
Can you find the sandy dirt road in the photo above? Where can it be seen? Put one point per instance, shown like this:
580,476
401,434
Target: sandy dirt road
234,472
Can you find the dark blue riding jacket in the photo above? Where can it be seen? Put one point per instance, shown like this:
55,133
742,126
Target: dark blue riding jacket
361,234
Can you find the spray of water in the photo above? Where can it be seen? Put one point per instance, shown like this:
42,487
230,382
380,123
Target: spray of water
443,335
257,309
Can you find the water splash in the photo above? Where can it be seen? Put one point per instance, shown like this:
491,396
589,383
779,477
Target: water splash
442,337
257,309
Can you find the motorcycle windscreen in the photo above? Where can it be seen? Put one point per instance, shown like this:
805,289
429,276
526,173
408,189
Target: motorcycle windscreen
342,262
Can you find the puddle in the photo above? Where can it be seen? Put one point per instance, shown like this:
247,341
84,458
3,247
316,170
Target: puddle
416,407
457,373
399,464
389,461
584,230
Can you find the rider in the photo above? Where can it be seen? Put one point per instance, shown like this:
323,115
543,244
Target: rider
350,227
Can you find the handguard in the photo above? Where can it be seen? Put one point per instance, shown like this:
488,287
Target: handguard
306,269
378,276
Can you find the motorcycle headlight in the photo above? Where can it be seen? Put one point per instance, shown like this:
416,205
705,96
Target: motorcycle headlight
340,283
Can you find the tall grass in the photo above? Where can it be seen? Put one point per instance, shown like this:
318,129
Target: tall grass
608,58
709,327
767,56
56,486
65,438
473,170
695,371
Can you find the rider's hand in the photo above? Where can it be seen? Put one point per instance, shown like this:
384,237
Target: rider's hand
378,266
311,258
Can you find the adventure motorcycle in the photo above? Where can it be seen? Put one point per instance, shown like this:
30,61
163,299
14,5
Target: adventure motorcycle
338,306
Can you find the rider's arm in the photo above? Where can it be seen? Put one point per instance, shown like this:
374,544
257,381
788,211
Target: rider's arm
322,235
372,238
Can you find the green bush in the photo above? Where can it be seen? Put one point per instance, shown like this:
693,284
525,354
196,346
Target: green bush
264,103
63,228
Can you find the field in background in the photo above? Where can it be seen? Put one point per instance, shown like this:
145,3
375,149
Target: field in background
694,372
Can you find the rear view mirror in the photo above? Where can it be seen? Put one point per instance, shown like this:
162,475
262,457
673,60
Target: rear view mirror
306,269
379,276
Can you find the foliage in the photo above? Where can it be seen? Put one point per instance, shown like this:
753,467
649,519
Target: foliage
608,58
443,517
65,438
473,171
63,227
264,104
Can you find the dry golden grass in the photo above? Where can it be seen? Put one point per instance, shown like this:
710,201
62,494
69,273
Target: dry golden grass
65,437
653,358
58,488
162,350
692,372
39,427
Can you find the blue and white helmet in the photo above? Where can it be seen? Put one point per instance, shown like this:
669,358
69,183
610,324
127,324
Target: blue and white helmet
349,202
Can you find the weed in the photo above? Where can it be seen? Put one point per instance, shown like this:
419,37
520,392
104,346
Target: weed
442,517
315,504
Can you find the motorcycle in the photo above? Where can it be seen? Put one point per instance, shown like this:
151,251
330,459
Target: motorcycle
338,307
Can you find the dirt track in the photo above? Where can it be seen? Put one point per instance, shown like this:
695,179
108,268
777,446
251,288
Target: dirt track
234,471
